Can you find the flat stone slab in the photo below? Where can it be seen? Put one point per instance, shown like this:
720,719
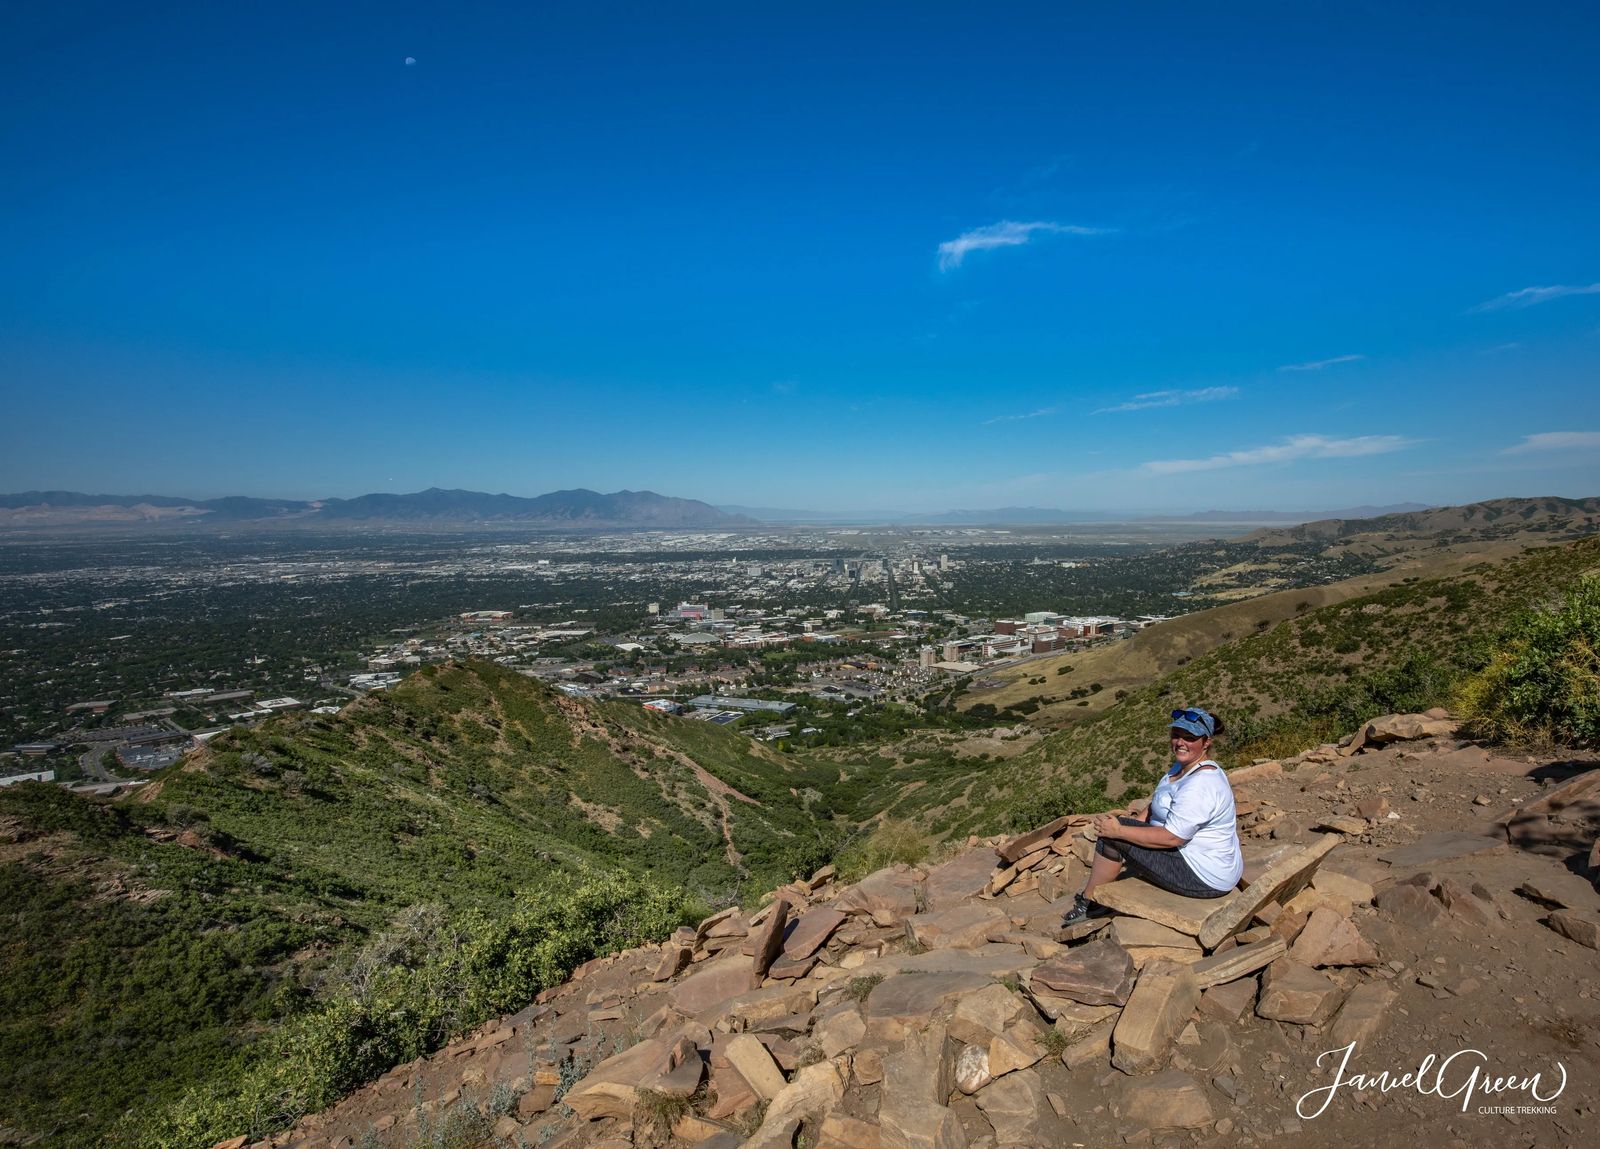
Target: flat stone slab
810,931
911,998
962,927
720,981
953,882
1442,846
991,960
1096,973
1142,900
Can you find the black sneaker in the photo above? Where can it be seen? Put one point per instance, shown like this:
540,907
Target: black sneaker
1082,910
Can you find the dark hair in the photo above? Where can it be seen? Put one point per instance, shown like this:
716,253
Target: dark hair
1217,727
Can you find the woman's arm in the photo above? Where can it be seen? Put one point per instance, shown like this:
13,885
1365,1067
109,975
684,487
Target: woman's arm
1158,837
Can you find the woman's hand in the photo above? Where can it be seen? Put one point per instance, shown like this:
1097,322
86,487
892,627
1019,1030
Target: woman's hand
1107,826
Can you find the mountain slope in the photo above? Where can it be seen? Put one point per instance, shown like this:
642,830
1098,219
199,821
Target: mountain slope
156,941
1305,680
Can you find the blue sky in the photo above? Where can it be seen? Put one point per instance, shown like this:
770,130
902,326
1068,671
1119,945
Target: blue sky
921,256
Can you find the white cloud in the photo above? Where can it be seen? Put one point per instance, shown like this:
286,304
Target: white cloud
1040,413
1556,441
1528,296
1006,233
1171,399
1319,364
1293,448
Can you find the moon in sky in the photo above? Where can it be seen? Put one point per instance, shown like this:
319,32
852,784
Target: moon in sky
410,60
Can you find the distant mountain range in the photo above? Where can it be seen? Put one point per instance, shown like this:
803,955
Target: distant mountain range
1546,514
433,507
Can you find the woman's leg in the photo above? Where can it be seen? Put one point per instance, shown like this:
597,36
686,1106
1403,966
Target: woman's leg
1102,870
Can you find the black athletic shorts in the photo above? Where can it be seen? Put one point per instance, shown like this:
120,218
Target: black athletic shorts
1160,867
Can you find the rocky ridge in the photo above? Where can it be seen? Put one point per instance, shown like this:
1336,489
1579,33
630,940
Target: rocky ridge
1406,892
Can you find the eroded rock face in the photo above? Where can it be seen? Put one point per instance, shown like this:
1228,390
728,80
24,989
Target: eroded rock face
1169,1100
1294,992
1012,1105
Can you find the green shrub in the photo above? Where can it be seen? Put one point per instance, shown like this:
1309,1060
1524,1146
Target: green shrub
1544,686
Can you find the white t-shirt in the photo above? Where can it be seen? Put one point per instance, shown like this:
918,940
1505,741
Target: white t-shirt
1199,809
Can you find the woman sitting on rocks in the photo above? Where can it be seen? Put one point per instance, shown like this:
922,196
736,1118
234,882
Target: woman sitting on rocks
1188,840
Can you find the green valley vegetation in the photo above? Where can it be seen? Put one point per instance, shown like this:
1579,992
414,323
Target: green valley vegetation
1305,681
186,942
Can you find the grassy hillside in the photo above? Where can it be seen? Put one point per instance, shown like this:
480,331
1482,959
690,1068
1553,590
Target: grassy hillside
1437,543
154,942
1286,688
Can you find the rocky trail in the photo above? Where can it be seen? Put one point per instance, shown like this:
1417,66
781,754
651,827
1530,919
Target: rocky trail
1408,897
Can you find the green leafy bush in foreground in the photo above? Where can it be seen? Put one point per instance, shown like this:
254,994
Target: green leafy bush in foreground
1544,685
410,989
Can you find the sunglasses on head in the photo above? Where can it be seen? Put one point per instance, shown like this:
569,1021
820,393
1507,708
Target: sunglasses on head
1193,716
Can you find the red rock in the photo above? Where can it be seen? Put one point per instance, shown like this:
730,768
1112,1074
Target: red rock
1099,972
811,930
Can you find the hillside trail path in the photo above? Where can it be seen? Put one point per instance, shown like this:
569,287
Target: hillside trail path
891,986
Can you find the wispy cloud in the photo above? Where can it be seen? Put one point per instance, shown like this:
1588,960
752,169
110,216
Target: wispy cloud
1293,448
1528,296
1039,414
1498,348
1556,441
1171,399
1006,233
1319,364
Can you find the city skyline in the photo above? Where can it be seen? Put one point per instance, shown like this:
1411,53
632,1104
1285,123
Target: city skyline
1157,259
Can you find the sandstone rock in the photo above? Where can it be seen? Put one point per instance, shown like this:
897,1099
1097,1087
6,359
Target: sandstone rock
839,1031
747,1055
1094,1048
1363,1012
910,999
536,1101
1332,940
867,1065
1283,879
1583,928
917,1079
813,1093
1160,1005
1373,809
1230,1001
962,927
710,987
674,960
720,923
1024,844
787,968
1351,889
1343,824
962,878
1012,1106
888,897
1130,932
1142,900
1406,728
822,877
757,1008
1096,973
841,1132
769,941
811,930
680,1074
981,1016
1410,905
1297,993
1235,963
1169,1100
1463,904
1020,1046
609,1088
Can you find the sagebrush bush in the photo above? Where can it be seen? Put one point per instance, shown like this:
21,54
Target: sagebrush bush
1543,686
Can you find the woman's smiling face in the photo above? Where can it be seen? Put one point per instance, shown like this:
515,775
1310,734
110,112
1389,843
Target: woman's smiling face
1187,749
